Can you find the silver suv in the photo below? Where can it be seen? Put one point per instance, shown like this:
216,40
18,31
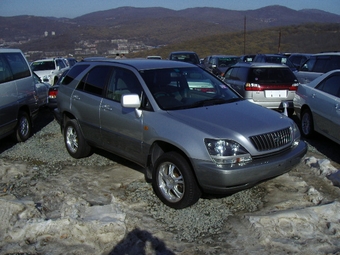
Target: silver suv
266,84
18,95
189,140
318,64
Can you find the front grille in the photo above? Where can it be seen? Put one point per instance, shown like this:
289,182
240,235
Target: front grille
273,140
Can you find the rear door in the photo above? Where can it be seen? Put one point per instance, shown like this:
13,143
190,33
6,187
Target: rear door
16,89
8,97
86,100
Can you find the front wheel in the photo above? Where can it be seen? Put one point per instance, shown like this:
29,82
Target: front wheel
75,143
174,182
307,126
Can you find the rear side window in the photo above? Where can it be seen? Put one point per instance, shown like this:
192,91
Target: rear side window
308,66
332,64
95,80
231,74
331,85
320,65
271,75
242,74
73,73
13,66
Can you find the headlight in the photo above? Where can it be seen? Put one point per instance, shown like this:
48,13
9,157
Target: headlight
46,78
296,135
226,151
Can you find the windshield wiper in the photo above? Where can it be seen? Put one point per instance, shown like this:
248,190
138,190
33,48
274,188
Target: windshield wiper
208,102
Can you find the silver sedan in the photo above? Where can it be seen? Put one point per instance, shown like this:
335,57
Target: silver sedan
317,105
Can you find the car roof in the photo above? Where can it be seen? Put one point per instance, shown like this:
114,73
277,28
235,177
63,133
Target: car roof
273,55
327,54
183,52
260,64
222,56
143,64
9,50
45,59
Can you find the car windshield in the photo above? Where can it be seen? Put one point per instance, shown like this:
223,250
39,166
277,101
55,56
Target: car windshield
280,60
227,61
185,57
182,88
42,65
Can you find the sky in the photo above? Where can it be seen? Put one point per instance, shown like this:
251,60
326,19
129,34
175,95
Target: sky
75,8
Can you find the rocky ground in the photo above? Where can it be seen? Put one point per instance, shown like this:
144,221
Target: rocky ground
51,203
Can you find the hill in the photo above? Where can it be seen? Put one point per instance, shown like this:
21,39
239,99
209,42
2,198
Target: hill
202,29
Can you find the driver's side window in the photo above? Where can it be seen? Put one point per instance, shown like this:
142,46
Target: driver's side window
122,81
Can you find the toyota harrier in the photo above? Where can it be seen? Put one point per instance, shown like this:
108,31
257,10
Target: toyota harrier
190,141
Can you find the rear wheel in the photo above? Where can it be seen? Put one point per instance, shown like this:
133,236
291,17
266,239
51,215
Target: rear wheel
24,127
75,143
307,126
174,181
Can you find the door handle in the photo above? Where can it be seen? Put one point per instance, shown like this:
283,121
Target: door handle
76,97
106,107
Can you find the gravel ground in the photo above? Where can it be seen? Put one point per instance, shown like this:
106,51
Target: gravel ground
205,225
45,153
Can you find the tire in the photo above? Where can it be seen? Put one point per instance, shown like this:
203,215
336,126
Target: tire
307,126
75,143
174,182
23,129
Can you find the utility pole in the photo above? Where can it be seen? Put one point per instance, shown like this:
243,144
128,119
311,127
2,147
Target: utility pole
244,35
279,46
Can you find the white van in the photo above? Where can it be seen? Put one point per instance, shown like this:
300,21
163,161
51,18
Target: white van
18,99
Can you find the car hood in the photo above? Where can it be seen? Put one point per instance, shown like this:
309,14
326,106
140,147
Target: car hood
240,119
43,73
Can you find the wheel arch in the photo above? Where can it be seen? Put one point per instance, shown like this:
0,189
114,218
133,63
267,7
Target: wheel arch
157,149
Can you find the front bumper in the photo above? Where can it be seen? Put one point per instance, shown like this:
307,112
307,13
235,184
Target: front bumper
229,179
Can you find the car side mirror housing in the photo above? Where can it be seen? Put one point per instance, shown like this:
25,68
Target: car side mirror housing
130,101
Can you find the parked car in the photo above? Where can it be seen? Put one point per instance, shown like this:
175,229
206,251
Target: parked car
275,58
298,59
318,64
154,57
317,105
247,58
188,141
266,84
50,69
41,91
70,61
18,96
185,56
53,92
218,64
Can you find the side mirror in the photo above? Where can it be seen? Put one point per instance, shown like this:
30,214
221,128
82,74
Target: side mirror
130,101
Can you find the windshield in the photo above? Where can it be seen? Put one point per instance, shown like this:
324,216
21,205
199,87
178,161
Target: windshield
227,61
43,65
185,57
182,88
280,60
